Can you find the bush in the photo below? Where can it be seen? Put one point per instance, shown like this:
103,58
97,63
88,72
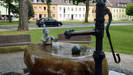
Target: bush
129,10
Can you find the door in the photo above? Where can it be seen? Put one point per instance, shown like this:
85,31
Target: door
72,17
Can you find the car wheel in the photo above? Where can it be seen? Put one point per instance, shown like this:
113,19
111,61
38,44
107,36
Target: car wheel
39,25
59,24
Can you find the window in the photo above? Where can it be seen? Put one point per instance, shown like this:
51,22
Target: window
68,15
117,10
40,7
72,9
93,10
114,16
35,7
53,15
53,8
123,16
83,9
44,15
83,15
60,8
123,10
114,10
79,15
44,8
68,8
60,15
64,10
75,15
40,15
75,9
79,9
66,2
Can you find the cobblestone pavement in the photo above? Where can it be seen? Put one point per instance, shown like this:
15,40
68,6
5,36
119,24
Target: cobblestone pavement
125,66
13,62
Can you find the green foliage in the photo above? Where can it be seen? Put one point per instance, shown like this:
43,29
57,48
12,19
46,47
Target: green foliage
15,8
129,10
47,1
9,4
78,1
30,10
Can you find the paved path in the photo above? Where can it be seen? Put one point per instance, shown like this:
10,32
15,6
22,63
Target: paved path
14,27
13,62
125,66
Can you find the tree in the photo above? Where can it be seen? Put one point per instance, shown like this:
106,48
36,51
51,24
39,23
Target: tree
87,11
86,2
15,10
30,10
9,4
48,2
129,10
23,15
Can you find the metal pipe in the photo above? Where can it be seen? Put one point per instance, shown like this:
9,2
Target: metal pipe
99,26
70,33
98,32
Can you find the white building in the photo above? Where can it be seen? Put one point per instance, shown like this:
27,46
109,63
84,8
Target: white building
71,12
3,11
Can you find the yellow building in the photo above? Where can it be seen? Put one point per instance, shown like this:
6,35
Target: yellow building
40,10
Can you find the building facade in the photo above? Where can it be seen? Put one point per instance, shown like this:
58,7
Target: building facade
3,12
119,9
64,10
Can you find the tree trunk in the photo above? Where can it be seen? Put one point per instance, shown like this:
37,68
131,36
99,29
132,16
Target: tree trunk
9,12
48,10
23,15
87,11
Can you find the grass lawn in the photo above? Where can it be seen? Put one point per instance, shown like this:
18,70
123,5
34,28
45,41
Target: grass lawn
123,21
122,37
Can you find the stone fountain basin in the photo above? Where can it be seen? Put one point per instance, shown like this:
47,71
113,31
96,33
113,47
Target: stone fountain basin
57,59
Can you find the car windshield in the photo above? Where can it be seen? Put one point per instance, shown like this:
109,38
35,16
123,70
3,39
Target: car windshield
49,19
